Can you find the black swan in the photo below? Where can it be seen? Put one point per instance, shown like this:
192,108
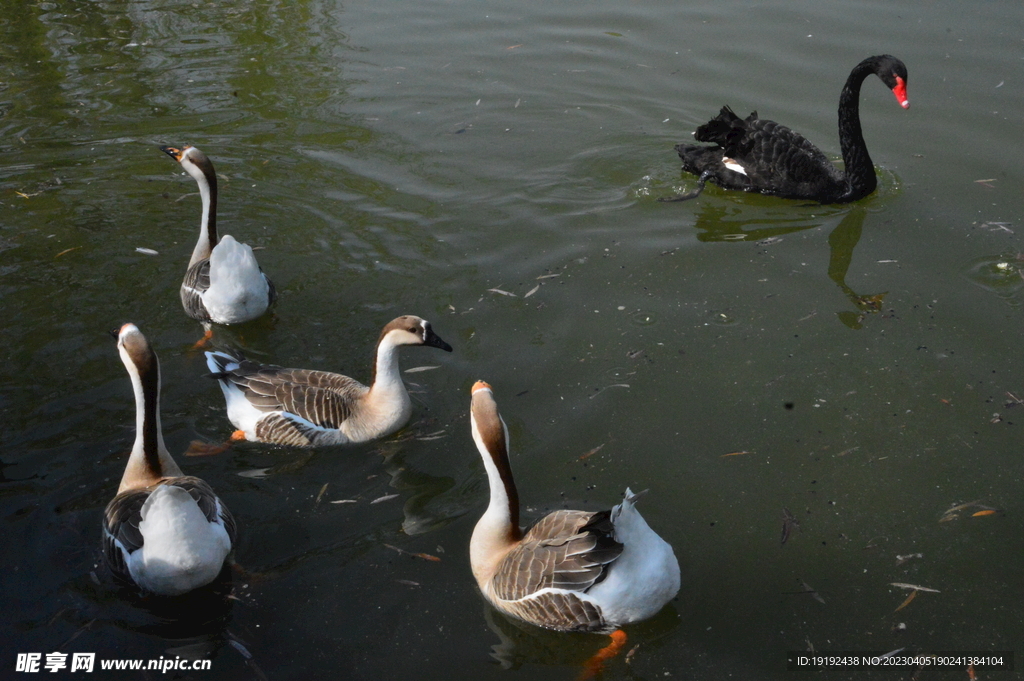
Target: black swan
755,155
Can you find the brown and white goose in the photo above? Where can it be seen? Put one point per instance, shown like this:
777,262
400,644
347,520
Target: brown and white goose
306,408
166,532
573,570
223,284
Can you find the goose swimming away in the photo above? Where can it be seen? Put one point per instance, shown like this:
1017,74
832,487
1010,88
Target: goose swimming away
306,408
165,532
223,284
573,570
757,155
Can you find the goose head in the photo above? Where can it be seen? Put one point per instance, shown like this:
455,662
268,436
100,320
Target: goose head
194,162
139,358
489,432
411,330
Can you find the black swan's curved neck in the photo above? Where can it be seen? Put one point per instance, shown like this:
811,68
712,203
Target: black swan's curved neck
860,171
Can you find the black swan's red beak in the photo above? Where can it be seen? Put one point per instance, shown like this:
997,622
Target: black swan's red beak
901,92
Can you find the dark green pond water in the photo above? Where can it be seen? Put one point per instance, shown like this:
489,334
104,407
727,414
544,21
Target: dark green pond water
422,158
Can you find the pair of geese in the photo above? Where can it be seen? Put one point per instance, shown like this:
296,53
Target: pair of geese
573,570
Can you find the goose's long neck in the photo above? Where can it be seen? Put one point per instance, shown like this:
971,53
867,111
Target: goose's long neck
498,530
149,460
860,171
387,378
208,228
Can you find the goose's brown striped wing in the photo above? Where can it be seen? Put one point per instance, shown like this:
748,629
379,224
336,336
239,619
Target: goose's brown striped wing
559,610
320,397
121,527
283,430
196,283
568,551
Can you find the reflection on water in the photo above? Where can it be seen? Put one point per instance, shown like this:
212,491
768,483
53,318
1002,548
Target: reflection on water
724,222
525,644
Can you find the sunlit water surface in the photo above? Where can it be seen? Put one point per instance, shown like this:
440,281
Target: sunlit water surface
495,168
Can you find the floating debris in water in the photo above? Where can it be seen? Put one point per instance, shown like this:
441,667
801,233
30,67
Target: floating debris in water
915,587
788,523
344,501
146,251
532,291
808,589
386,497
416,370
424,556
905,603
613,385
321,495
256,473
735,454
587,455
500,292
900,560
953,513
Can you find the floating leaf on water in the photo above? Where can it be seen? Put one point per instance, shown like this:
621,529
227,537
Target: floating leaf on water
987,511
416,370
146,251
345,501
532,291
500,292
240,648
812,591
788,523
424,556
591,453
321,495
66,250
386,497
734,454
548,276
904,585
905,603
256,473
407,582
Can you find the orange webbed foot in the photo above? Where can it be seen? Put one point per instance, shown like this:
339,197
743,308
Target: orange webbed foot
204,341
237,436
593,666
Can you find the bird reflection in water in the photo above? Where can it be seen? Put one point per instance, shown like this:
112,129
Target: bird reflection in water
714,223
